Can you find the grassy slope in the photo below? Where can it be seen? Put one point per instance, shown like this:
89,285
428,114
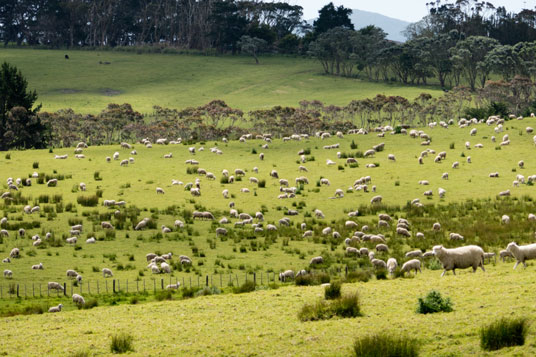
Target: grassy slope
151,170
264,323
178,81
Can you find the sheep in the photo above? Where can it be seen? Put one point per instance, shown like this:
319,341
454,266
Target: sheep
460,258
173,286
504,193
413,264
221,232
78,299
455,236
52,285
391,265
72,240
352,251
8,274
15,253
442,192
316,260
38,266
339,193
378,263
505,219
78,278
391,157
376,199
71,273
55,308
107,225
414,254
6,260
503,254
287,274
165,268
106,272
436,226
160,190
382,248
522,253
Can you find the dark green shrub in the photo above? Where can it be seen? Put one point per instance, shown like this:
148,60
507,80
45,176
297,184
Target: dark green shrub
8,156
333,291
353,145
91,303
97,176
434,302
262,183
122,343
312,279
247,287
189,292
346,306
381,274
384,345
164,295
88,201
504,332
35,165
359,275
314,312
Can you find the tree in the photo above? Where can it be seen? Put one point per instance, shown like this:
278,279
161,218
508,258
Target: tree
469,55
252,46
336,49
330,17
20,126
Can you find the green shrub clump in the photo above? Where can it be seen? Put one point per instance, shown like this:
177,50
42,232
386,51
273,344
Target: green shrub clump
346,306
434,302
247,287
332,291
122,343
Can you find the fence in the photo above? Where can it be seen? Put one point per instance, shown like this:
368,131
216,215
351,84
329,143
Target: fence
114,286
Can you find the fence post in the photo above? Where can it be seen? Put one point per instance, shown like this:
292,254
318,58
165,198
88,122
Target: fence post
346,271
190,282
198,281
118,285
106,283
98,292
40,295
246,277
162,283
114,287
25,294
183,282
254,278
261,277
207,281
154,285
17,290
65,289
137,286
88,288
33,290
143,285
1,292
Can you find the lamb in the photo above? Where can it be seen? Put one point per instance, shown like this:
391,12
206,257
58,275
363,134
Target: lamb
165,268
160,190
503,254
316,260
78,299
221,232
376,199
460,258
522,253
414,254
413,264
71,240
8,274
71,273
107,225
505,219
55,308
442,192
382,248
391,265
287,274
106,272
6,260
378,263
90,240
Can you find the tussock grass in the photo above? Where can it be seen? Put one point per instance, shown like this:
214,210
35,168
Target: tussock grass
504,332
386,345
122,343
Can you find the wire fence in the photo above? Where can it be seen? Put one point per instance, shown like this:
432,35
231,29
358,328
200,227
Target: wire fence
114,286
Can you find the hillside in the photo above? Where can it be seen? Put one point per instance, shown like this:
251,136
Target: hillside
393,27
178,81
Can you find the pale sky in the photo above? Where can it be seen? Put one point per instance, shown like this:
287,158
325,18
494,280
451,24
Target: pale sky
408,10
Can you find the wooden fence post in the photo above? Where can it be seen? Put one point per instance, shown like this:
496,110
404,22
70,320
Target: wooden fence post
207,281
113,286
254,278
65,289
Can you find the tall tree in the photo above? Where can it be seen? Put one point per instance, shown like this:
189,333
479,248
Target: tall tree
470,54
330,17
20,126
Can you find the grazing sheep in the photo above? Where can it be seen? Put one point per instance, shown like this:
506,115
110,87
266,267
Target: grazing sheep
391,265
107,225
287,274
6,260
504,193
376,199
106,272
55,286
8,274
414,254
78,299
455,236
71,273
165,268
15,253
72,240
522,253
413,264
382,248
445,176
160,190
55,308
90,240
378,263
505,219
352,251
316,260
460,258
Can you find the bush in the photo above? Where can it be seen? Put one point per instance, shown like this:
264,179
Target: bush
433,302
164,295
247,287
313,312
88,201
347,306
359,275
97,176
312,279
189,292
384,345
122,343
333,291
91,303
35,165
262,183
504,333
353,145
381,274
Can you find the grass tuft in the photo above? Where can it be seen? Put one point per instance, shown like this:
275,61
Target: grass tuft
504,332
385,345
122,343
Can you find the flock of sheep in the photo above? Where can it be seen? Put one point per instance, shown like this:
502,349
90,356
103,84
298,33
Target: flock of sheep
451,259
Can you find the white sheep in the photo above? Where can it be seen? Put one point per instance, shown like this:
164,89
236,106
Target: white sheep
8,274
316,260
52,285
522,253
391,265
413,264
38,266
505,219
287,274
460,258
106,272
55,308
78,299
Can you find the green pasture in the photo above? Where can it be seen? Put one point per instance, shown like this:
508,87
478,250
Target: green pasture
179,81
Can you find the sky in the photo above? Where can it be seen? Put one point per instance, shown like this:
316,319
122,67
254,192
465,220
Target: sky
408,10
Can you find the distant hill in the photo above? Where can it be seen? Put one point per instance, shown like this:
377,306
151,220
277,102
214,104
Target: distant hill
393,27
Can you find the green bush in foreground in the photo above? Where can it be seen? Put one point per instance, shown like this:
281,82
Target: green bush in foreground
434,302
332,291
384,345
504,333
122,343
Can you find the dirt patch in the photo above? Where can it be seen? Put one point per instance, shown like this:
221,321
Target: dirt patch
110,92
69,91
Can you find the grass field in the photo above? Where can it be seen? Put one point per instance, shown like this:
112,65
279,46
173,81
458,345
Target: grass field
178,81
265,323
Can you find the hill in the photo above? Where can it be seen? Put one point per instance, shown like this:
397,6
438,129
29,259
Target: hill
177,81
393,27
